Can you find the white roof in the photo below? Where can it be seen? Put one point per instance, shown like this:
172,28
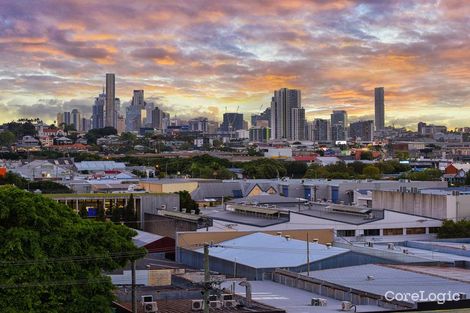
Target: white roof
144,238
261,250
99,165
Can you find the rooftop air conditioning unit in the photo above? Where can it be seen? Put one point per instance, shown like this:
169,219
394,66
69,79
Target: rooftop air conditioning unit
213,298
230,303
215,304
150,307
391,246
226,296
318,302
346,306
197,305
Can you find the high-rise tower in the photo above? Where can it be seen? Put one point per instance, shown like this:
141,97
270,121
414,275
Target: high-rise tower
110,119
379,108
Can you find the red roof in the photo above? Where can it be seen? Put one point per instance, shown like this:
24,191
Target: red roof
305,158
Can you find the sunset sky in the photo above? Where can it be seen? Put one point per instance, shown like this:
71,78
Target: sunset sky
197,58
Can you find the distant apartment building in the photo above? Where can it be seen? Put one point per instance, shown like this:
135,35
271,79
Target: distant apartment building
362,131
260,134
264,117
430,130
287,115
321,130
339,122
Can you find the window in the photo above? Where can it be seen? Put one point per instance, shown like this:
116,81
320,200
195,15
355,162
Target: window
371,232
416,230
346,233
393,231
434,230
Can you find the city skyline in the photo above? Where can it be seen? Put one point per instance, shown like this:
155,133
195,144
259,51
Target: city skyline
207,56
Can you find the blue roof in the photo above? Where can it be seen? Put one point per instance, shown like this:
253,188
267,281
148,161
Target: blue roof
260,250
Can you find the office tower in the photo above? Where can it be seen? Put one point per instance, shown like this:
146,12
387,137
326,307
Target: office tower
264,116
121,124
60,119
321,130
362,130
85,124
157,118
67,120
260,134
198,124
110,114
298,124
212,127
117,109
76,119
421,126
149,107
379,108
282,103
136,113
232,122
339,124
98,111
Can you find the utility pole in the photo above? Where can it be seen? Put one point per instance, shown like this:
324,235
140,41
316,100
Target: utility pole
134,300
308,256
207,277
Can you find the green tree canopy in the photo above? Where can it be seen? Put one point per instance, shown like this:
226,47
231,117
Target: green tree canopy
451,229
186,201
96,133
7,138
370,171
52,260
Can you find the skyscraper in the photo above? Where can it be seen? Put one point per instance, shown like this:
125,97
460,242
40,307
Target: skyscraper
110,119
362,130
379,108
339,124
136,113
298,124
282,103
76,119
98,111
321,130
232,122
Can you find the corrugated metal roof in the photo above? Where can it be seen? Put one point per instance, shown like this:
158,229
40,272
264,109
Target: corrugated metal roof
389,279
99,165
143,238
261,250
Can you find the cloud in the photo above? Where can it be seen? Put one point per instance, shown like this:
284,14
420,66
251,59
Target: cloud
198,57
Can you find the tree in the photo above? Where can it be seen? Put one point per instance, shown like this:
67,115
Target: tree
295,169
186,201
21,129
52,258
366,155
129,215
7,138
83,212
96,133
100,214
451,229
116,214
370,171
